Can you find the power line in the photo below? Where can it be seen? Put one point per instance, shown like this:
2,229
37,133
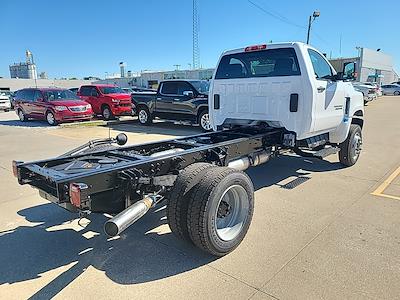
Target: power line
283,19
276,15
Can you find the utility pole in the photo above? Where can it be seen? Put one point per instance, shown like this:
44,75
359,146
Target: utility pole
311,19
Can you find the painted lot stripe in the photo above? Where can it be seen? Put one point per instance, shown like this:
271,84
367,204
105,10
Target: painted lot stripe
380,190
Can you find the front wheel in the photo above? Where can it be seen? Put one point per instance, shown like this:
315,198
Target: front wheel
144,116
51,119
204,121
396,93
350,149
107,113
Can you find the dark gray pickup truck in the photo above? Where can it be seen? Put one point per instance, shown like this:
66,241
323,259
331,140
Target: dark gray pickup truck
179,100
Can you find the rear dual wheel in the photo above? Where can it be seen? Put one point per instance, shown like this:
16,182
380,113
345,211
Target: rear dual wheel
215,210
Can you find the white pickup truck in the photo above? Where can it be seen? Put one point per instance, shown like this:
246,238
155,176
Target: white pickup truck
291,86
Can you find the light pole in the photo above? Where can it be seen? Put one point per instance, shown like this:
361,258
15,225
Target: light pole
311,19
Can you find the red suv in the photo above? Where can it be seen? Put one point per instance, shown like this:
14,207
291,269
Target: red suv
107,100
52,104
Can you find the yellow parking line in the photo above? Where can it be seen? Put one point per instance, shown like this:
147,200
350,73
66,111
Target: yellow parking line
379,191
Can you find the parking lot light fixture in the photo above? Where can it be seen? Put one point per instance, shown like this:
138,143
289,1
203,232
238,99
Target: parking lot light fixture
311,19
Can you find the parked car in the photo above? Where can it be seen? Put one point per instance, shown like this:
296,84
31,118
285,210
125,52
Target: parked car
5,100
368,91
107,100
391,89
179,100
54,105
376,86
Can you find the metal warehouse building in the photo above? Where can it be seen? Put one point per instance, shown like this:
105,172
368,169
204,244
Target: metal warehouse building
151,79
370,65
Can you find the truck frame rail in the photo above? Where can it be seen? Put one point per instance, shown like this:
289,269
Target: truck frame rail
110,180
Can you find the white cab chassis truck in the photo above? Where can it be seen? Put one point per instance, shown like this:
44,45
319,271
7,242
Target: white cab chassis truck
291,86
264,100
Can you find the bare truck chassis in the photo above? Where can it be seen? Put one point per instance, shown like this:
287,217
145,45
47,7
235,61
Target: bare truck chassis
207,203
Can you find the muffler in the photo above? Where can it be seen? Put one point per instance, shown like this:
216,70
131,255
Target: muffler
245,162
127,217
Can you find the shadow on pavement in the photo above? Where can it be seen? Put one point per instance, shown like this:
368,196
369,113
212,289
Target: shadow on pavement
143,253
26,124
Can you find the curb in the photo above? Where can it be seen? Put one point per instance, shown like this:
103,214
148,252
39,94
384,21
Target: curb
95,123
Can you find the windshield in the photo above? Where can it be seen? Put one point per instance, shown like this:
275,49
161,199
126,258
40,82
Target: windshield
54,95
111,90
201,86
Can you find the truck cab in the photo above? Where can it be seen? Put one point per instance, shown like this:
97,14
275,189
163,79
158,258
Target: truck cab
106,100
286,85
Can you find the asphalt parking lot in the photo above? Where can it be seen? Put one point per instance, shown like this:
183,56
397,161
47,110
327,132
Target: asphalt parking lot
335,235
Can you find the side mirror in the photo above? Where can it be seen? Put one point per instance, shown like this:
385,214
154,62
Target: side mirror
188,94
338,76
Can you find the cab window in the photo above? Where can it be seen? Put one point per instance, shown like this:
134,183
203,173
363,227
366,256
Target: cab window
184,86
322,70
169,88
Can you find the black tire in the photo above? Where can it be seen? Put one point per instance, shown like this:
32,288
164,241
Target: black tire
350,149
204,120
106,113
396,93
144,116
206,200
50,118
22,116
6,110
178,199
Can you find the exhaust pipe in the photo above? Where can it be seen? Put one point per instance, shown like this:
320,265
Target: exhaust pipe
245,162
127,217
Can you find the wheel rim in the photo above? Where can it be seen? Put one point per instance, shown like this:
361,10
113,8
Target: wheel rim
356,146
106,113
50,118
21,115
143,116
205,122
231,213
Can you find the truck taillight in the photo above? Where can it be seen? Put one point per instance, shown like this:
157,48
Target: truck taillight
75,193
14,168
255,48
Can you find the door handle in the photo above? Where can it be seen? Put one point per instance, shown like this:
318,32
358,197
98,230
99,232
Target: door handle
320,89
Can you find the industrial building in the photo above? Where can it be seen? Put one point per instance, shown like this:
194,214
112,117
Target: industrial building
25,70
369,66
14,84
151,79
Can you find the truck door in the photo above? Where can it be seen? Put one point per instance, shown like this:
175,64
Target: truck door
183,104
168,94
329,95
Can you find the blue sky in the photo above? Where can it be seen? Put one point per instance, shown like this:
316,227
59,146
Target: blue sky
82,38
